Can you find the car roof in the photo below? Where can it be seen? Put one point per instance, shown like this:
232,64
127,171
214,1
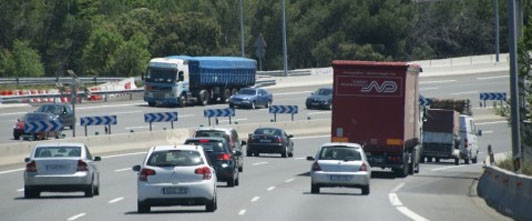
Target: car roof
214,129
177,147
345,144
221,139
59,144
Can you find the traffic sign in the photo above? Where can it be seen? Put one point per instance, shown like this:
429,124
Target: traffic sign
42,126
160,117
423,101
227,112
98,120
283,109
493,96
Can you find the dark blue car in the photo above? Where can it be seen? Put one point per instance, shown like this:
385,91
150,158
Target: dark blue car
321,99
251,98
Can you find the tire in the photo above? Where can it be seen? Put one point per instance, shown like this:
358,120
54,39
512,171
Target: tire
231,183
241,169
474,160
253,105
429,159
151,104
248,153
314,188
226,95
16,137
290,154
211,205
466,160
143,207
30,193
365,190
204,97
89,191
284,153
437,160
268,104
457,161
97,190
330,106
256,154
402,172
411,168
237,181
308,107
181,101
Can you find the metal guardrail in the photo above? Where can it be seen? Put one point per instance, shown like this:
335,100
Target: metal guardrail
55,80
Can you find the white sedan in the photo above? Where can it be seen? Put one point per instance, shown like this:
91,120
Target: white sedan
340,165
61,167
175,175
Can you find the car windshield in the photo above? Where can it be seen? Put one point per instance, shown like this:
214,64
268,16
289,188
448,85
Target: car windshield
62,151
175,158
213,146
323,91
36,117
247,91
50,108
339,153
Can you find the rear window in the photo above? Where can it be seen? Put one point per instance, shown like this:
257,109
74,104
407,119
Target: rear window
339,153
212,133
175,158
268,131
63,151
214,146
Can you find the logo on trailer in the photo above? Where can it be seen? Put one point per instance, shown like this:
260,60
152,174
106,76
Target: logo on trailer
387,87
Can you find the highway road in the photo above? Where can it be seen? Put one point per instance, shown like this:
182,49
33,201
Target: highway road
273,188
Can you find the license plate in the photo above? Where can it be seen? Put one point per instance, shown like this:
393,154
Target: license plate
174,190
340,178
377,160
56,167
265,140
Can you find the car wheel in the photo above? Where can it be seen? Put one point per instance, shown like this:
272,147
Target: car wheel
181,102
365,190
256,154
143,207
97,190
268,104
457,161
474,160
330,106
237,181
466,160
211,205
437,159
308,107
284,153
248,153
151,104
89,192
314,188
290,154
231,183
30,193
422,159
241,169
16,137
253,105
231,106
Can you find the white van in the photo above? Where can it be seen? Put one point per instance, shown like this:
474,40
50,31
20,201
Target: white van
469,139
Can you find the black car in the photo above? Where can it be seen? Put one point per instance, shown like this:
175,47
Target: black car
321,98
18,129
224,161
230,135
63,111
270,140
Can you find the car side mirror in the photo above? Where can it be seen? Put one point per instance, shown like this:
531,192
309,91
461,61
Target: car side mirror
244,143
310,158
290,135
136,168
479,132
27,159
97,158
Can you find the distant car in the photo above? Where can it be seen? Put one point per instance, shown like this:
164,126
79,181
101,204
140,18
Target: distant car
175,175
64,113
340,165
321,98
251,98
270,140
224,160
18,129
229,134
61,167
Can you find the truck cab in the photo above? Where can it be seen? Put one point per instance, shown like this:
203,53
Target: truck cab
469,139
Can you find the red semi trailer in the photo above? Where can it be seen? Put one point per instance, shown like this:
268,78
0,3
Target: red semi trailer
376,104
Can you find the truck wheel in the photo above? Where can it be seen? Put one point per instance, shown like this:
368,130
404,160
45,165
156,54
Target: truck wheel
204,97
181,101
151,104
411,168
457,161
314,188
474,160
227,94
429,159
365,190
466,160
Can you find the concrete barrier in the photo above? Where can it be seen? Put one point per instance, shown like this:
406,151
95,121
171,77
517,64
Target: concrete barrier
507,192
14,153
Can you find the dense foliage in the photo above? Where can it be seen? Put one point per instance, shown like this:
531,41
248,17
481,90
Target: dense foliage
117,38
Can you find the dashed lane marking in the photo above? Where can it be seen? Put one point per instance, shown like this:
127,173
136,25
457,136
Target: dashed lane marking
394,200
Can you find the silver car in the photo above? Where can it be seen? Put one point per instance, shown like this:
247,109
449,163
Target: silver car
61,167
175,175
340,165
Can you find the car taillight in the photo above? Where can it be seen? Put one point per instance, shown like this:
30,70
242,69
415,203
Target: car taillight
144,173
280,140
316,166
466,144
31,167
224,156
82,166
363,167
205,171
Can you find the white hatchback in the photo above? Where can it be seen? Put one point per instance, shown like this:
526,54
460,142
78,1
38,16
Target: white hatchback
340,165
175,175
61,167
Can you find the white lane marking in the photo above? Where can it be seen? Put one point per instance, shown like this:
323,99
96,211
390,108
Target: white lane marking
116,200
242,212
429,88
487,132
411,214
124,155
76,216
270,188
20,190
394,200
436,82
492,122
11,171
465,92
259,163
304,158
447,167
122,170
139,127
319,112
289,180
493,77
255,199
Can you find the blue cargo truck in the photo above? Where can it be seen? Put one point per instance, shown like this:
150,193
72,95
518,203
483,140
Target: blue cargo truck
185,80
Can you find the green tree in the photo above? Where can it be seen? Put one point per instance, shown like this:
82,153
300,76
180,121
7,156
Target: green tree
131,58
103,43
23,61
